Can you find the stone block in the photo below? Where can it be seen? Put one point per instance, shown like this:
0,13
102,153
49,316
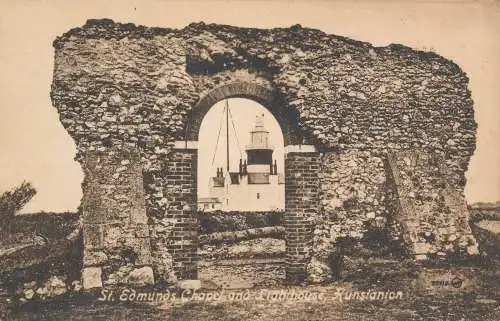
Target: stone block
421,257
143,250
92,278
473,249
92,236
95,258
142,230
140,277
189,284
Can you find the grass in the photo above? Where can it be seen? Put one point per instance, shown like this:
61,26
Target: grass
416,304
438,307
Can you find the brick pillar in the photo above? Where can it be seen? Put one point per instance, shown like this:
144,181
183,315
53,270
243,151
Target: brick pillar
182,206
301,206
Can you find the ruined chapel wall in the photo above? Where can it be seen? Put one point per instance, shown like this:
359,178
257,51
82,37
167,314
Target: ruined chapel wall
120,85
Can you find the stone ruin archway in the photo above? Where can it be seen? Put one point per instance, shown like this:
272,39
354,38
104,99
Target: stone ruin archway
301,179
357,104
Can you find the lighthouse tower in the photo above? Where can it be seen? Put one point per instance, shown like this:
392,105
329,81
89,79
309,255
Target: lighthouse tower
260,155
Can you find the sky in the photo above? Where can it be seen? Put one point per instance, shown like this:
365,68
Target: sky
35,147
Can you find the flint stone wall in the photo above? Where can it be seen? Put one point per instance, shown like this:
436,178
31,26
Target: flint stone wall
433,211
115,226
119,86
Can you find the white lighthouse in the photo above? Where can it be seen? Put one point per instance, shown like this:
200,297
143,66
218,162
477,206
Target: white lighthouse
256,185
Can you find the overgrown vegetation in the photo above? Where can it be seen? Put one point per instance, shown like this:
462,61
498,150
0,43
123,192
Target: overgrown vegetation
488,213
376,242
48,225
218,221
10,203
13,200
36,246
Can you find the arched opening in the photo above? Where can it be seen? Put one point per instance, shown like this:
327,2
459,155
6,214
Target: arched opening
241,195
289,238
265,95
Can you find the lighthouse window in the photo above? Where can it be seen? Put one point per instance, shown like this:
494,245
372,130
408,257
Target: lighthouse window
258,195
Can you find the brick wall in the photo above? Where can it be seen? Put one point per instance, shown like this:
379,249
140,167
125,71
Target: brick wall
181,189
301,202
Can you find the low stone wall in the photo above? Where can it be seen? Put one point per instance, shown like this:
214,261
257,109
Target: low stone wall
218,221
236,236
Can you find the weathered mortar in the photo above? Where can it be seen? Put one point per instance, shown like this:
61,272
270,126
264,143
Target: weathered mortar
120,85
